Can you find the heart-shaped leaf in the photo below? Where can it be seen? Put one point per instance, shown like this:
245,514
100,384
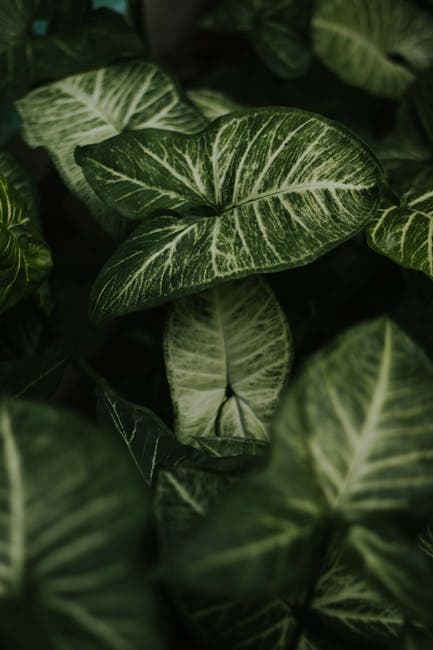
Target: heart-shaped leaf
228,352
25,260
378,45
405,232
71,522
94,106
367,429
264,190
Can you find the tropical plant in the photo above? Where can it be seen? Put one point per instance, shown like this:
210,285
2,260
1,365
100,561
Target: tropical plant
222,254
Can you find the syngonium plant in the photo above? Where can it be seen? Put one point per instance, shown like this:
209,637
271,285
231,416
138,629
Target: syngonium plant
260,476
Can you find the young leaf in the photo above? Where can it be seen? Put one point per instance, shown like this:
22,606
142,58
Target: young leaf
401,570
228,352
276,30
405,232
377,45
66,551
212,103
25,260
364,410
94,106
302,182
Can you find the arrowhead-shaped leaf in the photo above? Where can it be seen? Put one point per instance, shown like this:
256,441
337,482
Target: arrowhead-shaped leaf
405,232
25,260
378,45
264,189
91,107
363,409
66,551
228,352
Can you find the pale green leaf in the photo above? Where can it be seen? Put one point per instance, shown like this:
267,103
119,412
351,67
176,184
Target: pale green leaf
212,103
25,260
399,569
362,410
405,232
91,107
377,45
267,189
71,518
228,352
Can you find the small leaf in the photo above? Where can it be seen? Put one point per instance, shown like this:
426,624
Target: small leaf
228,352
66,551
25,260
211,103
405,232
303,183
400,569
94,106
377,45
363,410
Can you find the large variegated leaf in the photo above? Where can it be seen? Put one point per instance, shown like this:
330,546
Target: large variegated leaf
405,232
228,352
400,569
265,189
70,528
212,103
91,107
276,30
378,45
25,260
364,409
341,600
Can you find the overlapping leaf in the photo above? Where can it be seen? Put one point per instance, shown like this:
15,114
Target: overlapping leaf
25,260
71,549
264,190
77,39
343,602
91,107
364,410
378,45
228,352
405,232
276,30
212,103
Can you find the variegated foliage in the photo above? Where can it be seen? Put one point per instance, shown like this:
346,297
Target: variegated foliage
378,45
67,554
404,232
228,352
353,449
91,107
258,191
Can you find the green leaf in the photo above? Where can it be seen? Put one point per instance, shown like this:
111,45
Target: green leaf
66,551
404,232
377,45
228,352
363,411
25,260
302,182
17,176
399,569
26,59
276,30
342,601
212,103
91,107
